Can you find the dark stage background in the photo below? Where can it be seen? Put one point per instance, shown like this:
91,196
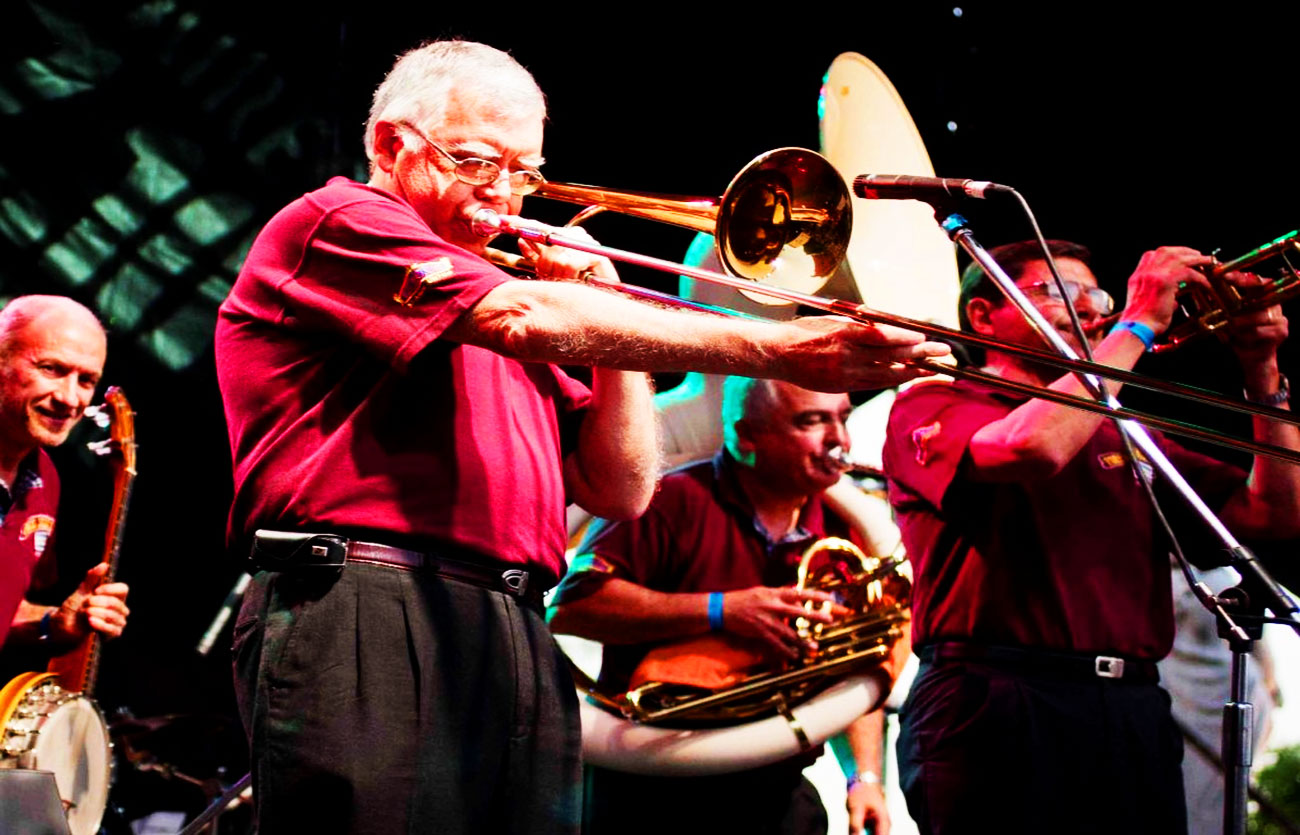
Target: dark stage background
146,142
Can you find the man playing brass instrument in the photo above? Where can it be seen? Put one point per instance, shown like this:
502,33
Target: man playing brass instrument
1041,598
717,553
404,447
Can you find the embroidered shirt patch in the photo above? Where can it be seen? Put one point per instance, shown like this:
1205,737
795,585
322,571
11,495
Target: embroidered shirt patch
1114,460
1110,460
921,437
418,277
38,526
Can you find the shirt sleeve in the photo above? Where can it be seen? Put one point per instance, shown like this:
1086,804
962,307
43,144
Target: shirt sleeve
639,551
928,435
571,394
1215,482
360,257
572,400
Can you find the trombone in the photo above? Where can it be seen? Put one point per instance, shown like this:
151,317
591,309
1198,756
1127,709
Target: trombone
787,216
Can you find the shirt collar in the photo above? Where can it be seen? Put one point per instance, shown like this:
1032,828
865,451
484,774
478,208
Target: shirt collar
28,478
730,492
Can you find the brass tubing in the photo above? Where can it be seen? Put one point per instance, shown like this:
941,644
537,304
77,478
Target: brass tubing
774,682
1277,246
1175,427
1143,381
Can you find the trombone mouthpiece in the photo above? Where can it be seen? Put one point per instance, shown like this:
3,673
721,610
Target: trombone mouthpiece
485,223
840,458
844,461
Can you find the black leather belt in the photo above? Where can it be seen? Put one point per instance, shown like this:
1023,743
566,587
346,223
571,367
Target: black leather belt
295,551
1078,666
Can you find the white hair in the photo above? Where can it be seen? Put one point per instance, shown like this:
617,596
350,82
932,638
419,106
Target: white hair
744,398
419,86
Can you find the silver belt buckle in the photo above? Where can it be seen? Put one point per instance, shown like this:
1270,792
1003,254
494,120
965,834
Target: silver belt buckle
1107,666
516,581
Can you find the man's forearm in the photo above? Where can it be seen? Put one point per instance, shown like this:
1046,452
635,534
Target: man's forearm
863,764
1269,506
865,736
622,612
570,323
26,626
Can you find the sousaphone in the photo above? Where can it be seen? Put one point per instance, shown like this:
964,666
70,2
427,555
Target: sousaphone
714,704
898,259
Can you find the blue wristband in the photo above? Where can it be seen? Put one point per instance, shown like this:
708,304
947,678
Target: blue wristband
715,610
1139,330
43,630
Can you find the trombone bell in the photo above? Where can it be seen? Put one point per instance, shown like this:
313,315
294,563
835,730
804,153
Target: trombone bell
785,219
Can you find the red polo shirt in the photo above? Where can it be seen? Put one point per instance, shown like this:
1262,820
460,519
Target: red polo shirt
1070,562
26,532
345,410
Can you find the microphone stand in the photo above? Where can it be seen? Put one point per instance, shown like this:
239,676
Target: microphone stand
228,607
1238,713
1235,604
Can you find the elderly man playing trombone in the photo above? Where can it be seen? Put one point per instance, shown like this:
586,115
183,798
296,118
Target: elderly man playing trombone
1042,594
403,449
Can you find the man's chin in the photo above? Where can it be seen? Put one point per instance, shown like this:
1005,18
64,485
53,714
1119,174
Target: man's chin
46,435
823,480
1067,334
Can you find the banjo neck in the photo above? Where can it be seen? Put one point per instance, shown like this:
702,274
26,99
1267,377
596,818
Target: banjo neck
78,668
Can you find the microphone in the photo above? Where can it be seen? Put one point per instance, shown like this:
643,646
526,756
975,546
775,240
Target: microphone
227,609
927,189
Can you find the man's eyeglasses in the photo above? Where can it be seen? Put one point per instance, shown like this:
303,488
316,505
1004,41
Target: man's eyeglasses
1100,300
473,171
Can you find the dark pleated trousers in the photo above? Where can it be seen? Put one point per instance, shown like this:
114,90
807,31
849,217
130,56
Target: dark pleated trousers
985,749
379,700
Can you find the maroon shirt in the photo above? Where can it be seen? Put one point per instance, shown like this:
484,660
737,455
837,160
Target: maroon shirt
347,413
699,534
26,532
1069,562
